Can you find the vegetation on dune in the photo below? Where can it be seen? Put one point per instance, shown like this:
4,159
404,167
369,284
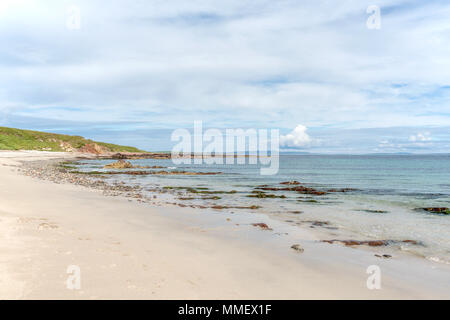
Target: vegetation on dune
118,148
18,139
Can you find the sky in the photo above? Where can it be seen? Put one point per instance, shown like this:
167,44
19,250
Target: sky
131,72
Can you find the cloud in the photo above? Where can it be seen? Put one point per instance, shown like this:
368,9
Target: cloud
420,137
296,139
235,63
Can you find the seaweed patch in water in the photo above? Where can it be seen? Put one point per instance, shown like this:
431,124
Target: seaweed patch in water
371,211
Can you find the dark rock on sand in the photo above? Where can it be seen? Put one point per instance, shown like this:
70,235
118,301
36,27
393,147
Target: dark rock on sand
303,189
261,225
386,256
319,223
297,248
372,243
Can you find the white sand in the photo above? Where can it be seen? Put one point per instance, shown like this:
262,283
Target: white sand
128,250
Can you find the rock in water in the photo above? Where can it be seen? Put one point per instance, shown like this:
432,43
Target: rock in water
297,248
441,210
120,164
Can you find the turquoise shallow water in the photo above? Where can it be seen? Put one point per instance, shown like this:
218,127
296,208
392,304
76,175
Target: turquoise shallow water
395,184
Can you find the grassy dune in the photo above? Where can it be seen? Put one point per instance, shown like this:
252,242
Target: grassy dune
18,139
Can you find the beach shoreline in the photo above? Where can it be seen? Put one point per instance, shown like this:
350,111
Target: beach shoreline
132,250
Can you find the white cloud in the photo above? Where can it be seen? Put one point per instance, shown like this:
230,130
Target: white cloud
420,137
234,63
297,138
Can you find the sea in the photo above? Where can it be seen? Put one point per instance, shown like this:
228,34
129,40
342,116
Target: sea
384,194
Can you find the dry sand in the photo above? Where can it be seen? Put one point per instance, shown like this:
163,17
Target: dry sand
129,250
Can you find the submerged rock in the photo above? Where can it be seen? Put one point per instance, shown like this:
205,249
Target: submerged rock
299,189
263,195
342,190
309,200
218,207
294,182
372,211
317,223
372,243
438,210
211,198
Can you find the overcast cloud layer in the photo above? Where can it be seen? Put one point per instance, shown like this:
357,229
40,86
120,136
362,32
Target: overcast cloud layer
135,70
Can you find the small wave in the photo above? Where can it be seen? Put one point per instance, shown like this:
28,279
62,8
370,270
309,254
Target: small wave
438,260
171,168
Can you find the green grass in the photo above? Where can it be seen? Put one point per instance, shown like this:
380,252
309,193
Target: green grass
18,139
118,148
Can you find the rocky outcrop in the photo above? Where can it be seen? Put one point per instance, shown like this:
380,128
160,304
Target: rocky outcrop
296,187
139,155
262,195
121,164
438,210
294,182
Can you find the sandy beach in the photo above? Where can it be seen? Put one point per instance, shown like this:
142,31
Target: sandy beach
130,250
